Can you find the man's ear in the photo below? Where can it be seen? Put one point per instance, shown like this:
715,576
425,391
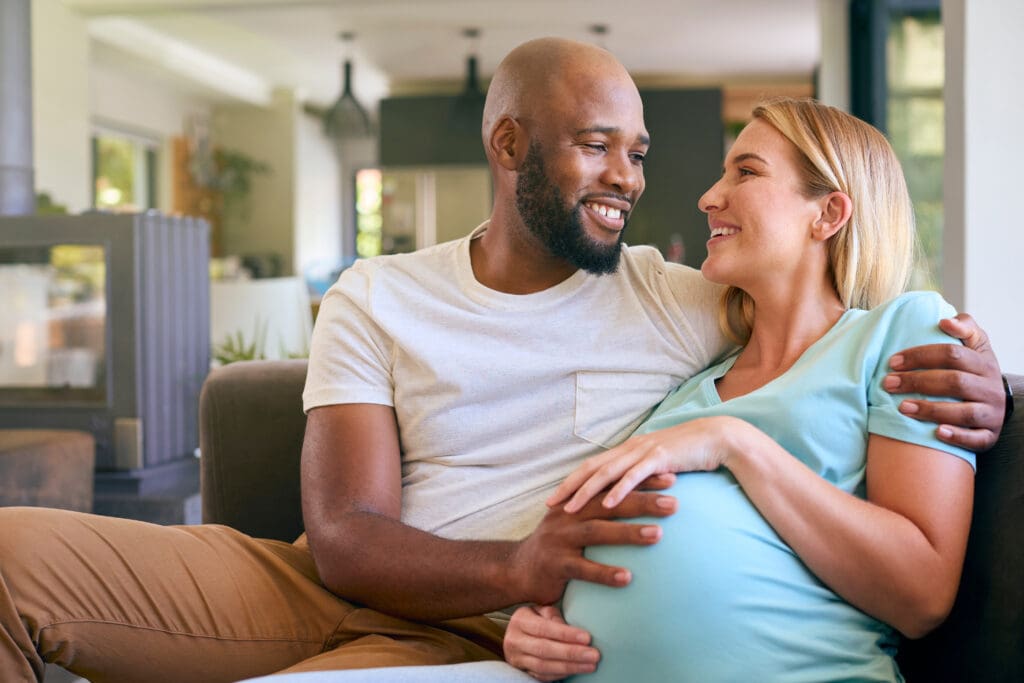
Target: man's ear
506,143
836,209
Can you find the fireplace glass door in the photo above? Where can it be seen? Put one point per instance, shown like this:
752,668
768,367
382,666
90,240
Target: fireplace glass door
53,323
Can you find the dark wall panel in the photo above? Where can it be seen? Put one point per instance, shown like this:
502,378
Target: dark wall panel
687,137
430,130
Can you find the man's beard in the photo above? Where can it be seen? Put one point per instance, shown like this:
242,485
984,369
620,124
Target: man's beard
555,224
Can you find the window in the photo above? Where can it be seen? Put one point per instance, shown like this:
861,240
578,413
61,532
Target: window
897,80
124,171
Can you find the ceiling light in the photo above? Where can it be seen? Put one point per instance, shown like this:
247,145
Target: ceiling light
468,106
346,118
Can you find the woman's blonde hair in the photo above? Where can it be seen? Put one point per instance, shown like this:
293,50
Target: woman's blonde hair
870,258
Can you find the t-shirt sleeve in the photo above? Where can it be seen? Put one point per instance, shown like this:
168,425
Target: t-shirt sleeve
912,320
693,302
350,354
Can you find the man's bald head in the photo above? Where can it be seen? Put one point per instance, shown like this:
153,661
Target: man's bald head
532,74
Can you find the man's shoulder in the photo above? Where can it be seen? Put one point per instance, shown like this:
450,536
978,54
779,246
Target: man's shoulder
685,284
436,258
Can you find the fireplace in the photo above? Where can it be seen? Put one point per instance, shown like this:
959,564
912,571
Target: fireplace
106,330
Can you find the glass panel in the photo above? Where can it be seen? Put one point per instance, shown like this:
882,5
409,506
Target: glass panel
916,125
53,321
400,200
368,216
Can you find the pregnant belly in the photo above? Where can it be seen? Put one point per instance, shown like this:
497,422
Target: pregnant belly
721,598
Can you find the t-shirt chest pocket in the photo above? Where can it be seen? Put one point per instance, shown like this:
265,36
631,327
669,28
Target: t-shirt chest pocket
611,405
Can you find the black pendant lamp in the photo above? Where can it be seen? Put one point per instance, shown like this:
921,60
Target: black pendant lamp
346,118
468,106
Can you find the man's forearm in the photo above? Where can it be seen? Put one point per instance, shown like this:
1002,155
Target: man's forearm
379,562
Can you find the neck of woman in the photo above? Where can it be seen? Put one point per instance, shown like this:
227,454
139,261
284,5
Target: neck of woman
785,325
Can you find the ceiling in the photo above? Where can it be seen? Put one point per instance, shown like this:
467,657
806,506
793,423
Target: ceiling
242,49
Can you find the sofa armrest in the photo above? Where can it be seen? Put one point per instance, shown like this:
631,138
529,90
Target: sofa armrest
983,639
251,427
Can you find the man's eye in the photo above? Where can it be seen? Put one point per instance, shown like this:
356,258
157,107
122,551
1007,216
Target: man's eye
596,146
637,157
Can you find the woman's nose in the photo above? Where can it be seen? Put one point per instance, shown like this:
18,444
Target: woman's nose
711,200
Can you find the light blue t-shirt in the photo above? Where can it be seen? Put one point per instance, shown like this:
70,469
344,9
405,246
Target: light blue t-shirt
721,597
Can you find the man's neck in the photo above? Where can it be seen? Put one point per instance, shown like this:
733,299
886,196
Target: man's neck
511,261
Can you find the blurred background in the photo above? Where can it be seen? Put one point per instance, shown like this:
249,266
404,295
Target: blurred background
181,180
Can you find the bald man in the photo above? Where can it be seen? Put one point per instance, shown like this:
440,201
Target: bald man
449,391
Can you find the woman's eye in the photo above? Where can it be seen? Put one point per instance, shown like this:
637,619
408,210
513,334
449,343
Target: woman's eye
746,171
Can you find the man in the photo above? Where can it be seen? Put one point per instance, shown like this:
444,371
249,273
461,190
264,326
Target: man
449,391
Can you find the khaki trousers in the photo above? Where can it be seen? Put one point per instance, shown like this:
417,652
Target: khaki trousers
118,601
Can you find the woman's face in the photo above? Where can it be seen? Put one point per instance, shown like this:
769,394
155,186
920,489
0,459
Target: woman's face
760,221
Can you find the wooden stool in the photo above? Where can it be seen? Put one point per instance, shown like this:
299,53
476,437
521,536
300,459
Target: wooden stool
47,468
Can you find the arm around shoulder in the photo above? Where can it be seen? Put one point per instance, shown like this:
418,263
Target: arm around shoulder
967,371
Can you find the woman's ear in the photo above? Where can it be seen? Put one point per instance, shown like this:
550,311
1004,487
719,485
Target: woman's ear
836,209
506,143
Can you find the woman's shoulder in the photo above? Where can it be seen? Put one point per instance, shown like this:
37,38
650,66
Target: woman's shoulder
916,309
917,302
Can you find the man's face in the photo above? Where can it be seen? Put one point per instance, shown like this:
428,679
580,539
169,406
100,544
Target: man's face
583,172
557,222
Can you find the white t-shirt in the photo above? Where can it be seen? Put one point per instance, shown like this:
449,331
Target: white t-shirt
499,396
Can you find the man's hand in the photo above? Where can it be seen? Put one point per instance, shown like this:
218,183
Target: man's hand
548,558
970,373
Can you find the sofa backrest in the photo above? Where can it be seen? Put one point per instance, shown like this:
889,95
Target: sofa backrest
251,426
983,639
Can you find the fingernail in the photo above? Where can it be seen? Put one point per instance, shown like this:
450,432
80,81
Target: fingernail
896,362
908,407
583,639
650,531
665,502
945,432
589,656
892,382
622,576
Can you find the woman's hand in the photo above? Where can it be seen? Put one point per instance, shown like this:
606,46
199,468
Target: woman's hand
539,642
698,445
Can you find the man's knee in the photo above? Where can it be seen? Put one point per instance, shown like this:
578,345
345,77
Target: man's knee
23,528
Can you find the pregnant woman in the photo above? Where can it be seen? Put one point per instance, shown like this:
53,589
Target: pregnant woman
815,521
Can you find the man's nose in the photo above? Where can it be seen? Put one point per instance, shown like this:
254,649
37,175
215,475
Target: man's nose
623,173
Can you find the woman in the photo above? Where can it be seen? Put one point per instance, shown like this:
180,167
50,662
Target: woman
814,519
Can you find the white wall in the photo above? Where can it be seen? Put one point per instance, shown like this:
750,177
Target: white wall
267,135
317,202
834,68
984,235
60,102
154,110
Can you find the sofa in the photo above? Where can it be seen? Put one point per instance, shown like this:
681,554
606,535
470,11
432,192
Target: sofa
251,429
